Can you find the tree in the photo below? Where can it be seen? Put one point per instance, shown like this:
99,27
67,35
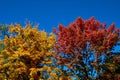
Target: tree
27,54
83,50
111,67
81,45
3,33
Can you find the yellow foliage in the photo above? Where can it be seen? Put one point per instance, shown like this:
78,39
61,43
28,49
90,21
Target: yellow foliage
48,53
43,35
1,42
64,78
25,50
11,29
53,76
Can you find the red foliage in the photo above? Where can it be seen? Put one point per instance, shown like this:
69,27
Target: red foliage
78,34
111,28
82,38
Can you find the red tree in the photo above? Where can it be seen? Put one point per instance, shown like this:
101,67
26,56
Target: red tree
81,40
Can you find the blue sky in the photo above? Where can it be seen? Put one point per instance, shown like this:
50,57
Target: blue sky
50,13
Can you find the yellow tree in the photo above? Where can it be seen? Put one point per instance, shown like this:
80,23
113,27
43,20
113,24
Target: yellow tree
27,54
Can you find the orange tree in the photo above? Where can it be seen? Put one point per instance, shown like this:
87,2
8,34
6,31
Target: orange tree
27,54
82,45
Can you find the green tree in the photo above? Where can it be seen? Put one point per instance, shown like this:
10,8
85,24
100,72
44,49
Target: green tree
3,33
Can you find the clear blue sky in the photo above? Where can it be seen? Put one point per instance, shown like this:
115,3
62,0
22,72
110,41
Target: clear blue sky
50,13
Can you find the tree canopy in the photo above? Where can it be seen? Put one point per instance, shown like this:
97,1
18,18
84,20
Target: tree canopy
81,50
